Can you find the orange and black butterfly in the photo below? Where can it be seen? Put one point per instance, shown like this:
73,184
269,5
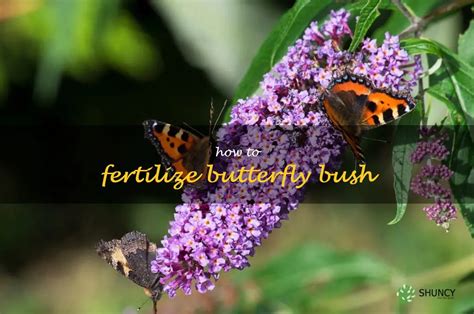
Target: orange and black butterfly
353,105
180,150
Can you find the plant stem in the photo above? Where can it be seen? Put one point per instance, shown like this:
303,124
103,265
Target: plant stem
407,12
421,97
419,24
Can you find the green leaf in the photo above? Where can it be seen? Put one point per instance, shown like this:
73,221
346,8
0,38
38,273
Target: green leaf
368,15
442,89
460,73
56,51
81,37
309,268
290,26
405,140
465,47
356,7
462,163
462,182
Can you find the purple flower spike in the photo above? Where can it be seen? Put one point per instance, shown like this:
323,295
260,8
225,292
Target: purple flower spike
217,229
428,182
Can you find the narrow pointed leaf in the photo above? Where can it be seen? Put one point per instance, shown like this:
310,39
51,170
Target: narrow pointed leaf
368,15
405,140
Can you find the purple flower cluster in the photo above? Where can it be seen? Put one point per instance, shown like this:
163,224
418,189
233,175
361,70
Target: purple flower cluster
428,182
385,64
218,228
433,147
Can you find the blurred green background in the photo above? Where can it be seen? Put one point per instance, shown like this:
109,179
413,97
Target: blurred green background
117,62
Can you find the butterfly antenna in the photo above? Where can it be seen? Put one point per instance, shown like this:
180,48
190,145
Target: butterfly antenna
211,113
155,309
219,116
376,140
194,129
141,306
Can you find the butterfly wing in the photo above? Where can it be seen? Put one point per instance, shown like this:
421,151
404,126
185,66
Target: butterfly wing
179,149
344,110
380,106
353,105
198,156
383,107
131,256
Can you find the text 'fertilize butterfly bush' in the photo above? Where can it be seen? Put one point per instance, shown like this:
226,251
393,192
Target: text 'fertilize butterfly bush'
217,229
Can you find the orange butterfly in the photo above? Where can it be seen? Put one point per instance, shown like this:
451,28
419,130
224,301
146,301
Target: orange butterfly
179,149
353,105
182,150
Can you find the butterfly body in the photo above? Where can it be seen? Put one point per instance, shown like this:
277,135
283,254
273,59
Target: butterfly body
180,150
131,256
354,105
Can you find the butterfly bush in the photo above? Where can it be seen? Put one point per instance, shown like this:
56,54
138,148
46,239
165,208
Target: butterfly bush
428,183
218,228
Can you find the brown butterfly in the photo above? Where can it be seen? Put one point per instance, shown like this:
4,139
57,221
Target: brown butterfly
131,256
353,105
